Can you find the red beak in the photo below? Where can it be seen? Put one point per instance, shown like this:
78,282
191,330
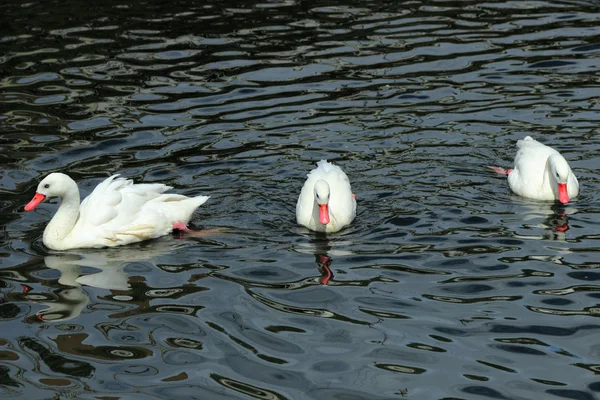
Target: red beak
37,199
323,214
563,195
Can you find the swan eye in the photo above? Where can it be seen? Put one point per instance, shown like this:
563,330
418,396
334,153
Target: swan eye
46,186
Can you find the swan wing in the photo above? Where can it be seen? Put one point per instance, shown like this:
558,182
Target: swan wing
115,203
98,207
531,158
342,200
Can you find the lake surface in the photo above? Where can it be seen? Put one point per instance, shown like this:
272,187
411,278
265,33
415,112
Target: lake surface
446,286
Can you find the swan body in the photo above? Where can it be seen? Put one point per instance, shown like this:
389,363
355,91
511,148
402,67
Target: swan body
116,213
541,173
326,202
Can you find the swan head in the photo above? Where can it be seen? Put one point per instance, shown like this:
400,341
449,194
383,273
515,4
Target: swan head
559,170
55,184
322,199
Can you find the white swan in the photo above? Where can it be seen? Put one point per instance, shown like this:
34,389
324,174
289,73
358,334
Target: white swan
541,173
117,212
326,202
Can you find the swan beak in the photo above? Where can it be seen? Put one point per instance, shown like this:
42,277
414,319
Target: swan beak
563,195
323,214
37,199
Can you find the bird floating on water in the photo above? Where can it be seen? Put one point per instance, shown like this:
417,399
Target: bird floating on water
116,213
326,202
540,172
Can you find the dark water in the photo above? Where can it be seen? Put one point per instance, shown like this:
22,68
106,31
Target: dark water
445,287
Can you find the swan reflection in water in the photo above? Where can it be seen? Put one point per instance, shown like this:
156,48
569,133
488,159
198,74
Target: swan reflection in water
558,221
68,302
553,218
321,247
323,263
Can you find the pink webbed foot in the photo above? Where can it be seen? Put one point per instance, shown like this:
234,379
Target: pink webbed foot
180,226
354,196
179,229
500,170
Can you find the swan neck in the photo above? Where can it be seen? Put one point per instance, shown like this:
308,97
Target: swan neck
64,220
549,172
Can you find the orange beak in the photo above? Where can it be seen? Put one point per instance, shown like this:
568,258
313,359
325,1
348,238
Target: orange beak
37,199
563,195
323,214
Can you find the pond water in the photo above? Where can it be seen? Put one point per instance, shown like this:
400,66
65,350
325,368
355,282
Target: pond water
446,286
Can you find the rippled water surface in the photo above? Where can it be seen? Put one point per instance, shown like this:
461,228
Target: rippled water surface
446,286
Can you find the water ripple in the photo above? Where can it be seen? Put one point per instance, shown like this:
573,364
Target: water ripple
444,276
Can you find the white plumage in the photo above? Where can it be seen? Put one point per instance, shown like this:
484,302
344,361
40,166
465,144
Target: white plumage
116,213
326,202
542,173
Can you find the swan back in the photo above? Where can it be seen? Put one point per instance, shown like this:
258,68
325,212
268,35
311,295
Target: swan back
127,212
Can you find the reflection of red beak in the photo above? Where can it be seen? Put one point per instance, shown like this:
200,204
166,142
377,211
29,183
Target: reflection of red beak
323,262
562,228
323,259
37,199
323,214
26,289
563,195
327,274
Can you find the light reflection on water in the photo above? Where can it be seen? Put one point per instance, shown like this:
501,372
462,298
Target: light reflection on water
445,286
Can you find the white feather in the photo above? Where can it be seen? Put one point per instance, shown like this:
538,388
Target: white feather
341,204
117,212
535,172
